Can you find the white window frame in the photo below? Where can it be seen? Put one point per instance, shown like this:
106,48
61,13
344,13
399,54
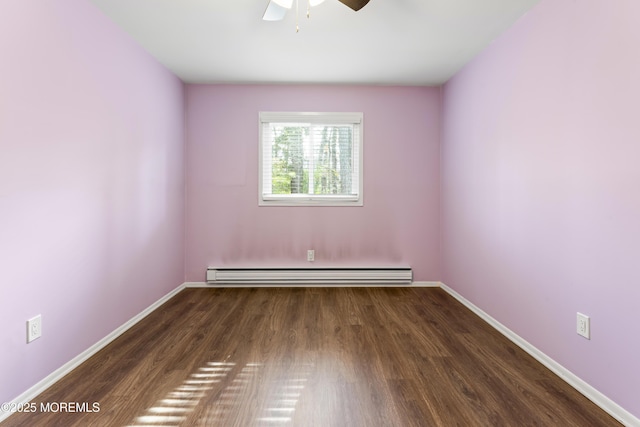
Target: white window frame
355,119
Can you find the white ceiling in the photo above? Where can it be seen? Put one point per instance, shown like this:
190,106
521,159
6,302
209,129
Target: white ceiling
391,42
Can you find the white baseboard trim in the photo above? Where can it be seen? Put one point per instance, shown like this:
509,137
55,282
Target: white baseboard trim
196,285
56,375
608,405
420,284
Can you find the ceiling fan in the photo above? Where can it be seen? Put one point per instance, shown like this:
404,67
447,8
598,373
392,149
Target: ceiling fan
276,9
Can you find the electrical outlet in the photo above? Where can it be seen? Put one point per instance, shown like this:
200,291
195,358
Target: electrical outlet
34,328
311,254
584,326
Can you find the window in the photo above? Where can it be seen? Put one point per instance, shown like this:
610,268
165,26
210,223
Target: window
310,159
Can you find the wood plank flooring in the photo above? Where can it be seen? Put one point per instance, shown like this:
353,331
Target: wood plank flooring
313,357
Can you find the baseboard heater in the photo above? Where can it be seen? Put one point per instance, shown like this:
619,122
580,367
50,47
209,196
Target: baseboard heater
311,276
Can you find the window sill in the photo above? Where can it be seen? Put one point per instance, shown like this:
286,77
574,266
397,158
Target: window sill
310,201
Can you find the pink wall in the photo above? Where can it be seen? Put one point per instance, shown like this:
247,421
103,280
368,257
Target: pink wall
398,223
91,183
540,186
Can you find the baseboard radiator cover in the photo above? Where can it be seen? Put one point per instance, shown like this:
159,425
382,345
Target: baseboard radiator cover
310,276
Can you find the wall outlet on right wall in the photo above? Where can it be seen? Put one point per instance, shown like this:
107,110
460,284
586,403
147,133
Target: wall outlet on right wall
583,325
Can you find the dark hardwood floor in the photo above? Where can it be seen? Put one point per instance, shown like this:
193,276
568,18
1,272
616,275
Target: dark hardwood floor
313,357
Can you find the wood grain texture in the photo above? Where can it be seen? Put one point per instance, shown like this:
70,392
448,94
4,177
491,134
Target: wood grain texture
314,357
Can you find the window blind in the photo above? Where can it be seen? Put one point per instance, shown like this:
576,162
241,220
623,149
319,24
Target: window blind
311,158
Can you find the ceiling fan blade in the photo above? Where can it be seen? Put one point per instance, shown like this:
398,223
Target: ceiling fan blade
274,12
354,4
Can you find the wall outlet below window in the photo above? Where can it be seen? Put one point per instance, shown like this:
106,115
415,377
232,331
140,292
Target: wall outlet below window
311,255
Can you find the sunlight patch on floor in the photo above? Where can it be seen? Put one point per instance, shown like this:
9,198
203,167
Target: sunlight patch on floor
178,403
277,404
